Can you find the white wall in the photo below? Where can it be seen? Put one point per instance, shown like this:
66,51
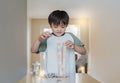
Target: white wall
104,43
13,37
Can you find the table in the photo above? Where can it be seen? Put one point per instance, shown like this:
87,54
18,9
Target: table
80,78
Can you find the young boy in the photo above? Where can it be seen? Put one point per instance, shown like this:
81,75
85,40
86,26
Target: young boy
49,42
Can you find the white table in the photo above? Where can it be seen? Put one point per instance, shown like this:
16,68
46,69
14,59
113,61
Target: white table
80,78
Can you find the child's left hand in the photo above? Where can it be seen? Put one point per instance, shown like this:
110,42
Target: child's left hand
69,44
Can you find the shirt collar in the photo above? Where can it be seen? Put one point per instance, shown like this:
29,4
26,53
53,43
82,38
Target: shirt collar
61,35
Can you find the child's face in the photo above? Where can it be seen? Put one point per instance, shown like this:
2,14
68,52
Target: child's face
58,30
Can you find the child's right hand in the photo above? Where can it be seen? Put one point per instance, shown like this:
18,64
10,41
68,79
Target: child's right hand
44,35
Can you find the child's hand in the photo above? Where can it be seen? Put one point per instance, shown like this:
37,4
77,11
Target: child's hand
69,44
44,35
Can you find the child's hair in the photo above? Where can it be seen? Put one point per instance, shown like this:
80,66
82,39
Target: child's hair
57,17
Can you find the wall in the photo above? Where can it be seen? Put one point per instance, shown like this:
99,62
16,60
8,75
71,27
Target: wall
104,40
13,23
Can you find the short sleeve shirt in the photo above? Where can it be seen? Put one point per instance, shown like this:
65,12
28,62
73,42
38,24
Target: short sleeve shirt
54,47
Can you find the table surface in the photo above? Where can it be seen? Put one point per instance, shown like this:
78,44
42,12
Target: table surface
80,78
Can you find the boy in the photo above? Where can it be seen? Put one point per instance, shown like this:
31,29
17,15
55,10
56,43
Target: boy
49,42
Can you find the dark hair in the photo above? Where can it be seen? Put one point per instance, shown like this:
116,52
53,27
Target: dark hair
57,16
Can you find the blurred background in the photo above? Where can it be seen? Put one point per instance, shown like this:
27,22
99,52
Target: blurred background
103,35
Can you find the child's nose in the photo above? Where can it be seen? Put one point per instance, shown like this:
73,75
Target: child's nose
59,28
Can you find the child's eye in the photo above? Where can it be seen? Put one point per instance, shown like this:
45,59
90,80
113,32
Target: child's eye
55,27
63,27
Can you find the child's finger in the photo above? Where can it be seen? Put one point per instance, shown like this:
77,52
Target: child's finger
48,33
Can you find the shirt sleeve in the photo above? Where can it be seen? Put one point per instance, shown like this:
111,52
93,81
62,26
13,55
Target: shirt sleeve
42,46
76,40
